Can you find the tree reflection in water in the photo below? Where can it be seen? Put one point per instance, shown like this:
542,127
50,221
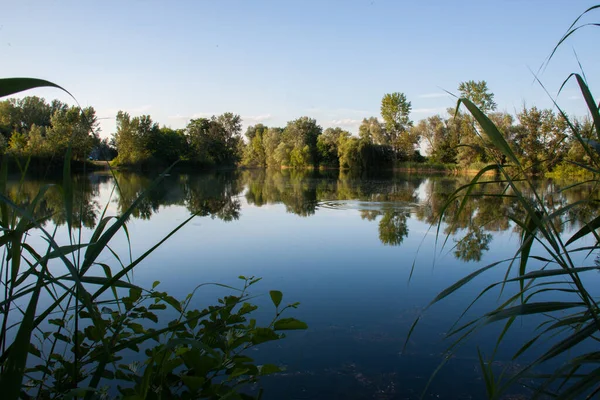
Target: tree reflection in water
388,199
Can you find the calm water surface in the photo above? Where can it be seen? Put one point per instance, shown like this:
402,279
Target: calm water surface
345,248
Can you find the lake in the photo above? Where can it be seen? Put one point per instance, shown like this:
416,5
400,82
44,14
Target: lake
362,254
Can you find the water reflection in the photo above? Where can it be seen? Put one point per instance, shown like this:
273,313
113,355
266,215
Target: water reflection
388,200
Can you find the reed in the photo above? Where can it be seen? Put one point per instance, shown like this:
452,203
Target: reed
69,319
546,276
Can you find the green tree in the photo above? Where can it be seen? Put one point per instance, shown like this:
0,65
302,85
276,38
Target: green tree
442,141
74,126
302,134
350,153
215,141
479,94
395,111
327,145
372,131
271,140
37,145
199,141
168,145
131,138
540,139
230,136
254,153
471,147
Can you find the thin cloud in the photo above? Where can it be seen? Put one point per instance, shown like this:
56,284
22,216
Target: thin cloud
337,111
433,95
134,110
345,122
428,110
186,117
257,118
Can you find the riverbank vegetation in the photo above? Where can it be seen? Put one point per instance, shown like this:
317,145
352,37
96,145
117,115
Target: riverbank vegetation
549,283
540,138
73,323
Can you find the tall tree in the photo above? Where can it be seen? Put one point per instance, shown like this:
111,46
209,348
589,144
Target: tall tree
372,131
73,126
479,94
541,138
254,153
395,111
231,125
472,149
327,145
441,141
271,140
301,135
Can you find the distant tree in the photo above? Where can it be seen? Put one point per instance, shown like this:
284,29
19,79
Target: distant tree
302,134
168,145
37,145
505,124
395,111
442,141
541,138
73,126
34,110
372,131
271,140
471,147
132,138
479,94
327,145
9,117
200,141
230,135
575,152
350,153
17,142
255,153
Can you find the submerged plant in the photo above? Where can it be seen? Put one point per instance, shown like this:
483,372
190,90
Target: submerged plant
546,277
70,320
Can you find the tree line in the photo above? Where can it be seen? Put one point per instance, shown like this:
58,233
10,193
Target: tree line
33,127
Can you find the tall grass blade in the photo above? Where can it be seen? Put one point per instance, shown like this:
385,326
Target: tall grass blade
10,86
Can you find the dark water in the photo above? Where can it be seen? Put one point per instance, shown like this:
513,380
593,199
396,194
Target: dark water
343,246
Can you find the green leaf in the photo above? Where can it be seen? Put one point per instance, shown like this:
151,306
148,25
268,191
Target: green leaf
137,328
491,131
10,86
239,371
193,382
276,297
267,369
588,228
531,308
261,335
285,324
13,373
62,337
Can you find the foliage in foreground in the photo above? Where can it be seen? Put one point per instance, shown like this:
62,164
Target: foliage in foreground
548,276
69,320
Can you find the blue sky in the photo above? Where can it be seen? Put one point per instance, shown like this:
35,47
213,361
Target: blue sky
273,61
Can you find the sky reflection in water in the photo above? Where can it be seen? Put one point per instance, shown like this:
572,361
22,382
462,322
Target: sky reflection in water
344,246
